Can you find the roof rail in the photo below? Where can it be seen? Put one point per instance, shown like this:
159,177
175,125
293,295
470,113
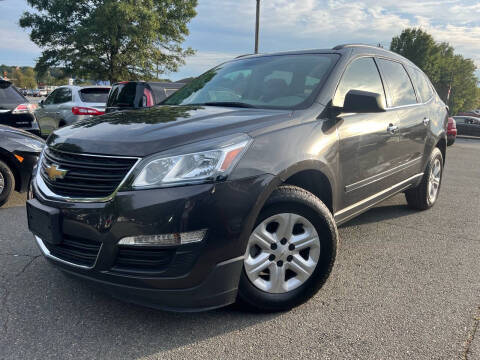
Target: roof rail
342,46
239,56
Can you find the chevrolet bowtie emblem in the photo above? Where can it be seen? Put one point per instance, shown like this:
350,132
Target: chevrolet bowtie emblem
54,172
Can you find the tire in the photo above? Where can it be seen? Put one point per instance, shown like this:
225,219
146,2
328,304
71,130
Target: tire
450,142
307,216
7,183
420,197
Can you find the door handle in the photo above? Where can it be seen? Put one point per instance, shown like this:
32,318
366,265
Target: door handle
426,121
392,129
57,112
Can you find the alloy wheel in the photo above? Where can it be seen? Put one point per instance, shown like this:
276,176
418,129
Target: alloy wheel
282,253
2,183
434,180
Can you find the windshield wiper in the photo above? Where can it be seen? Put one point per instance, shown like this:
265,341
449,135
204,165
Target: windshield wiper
228,104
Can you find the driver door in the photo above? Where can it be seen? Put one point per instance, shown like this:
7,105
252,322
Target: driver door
46,114
367,142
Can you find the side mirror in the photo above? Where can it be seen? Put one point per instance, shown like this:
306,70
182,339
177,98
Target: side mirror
358,101
41,103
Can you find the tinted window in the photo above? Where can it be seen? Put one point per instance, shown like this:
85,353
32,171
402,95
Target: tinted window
361,74
421,84
123,95
63,95
399,84
277,82
94,95
8,95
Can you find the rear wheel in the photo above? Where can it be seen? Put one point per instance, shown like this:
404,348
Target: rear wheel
425,195
290,252
7,183
450,141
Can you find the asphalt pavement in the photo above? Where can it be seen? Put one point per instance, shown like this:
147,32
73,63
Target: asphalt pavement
406,285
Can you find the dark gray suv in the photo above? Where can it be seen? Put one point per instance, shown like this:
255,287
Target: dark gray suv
232,188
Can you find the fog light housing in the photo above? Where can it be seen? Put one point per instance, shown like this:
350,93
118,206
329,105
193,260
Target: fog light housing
164,239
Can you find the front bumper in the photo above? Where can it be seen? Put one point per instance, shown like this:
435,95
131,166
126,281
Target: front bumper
189,277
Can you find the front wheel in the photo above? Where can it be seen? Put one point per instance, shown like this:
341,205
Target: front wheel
7,183
290,252
425,195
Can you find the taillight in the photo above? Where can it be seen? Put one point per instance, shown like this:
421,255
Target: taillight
79,110
24,108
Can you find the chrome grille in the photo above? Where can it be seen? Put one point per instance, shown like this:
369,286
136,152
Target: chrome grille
87,176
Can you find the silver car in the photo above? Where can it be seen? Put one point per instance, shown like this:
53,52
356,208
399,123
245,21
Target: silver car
68,104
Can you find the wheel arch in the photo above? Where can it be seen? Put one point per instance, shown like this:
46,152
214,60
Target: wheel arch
8,159
442,145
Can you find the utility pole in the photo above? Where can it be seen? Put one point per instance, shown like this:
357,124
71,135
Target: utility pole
257,26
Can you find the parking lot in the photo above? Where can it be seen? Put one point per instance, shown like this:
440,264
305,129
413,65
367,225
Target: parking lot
406,285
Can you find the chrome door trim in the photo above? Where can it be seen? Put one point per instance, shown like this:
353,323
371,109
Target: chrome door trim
377,195
381,176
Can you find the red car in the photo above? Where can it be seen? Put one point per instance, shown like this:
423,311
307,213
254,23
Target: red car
451,131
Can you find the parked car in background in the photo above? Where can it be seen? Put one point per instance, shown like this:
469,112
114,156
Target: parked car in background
16,110
68,104
19,152
451,131
232,188
42,92
468,125
129,95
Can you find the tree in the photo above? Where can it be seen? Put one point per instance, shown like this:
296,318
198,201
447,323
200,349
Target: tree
449,72
17,77
29,78
110,39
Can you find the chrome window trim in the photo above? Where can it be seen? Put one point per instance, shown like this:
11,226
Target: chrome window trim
50,195
48,254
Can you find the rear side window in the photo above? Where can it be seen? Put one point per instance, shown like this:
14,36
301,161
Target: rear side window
421,84
399,85
62,95
361,74
94,95
8,95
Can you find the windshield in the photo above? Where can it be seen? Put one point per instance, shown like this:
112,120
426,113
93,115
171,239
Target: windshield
276,82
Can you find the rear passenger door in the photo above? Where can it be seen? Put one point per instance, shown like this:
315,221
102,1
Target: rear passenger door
367,148
413,116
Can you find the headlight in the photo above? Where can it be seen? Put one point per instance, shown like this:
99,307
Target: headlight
160,171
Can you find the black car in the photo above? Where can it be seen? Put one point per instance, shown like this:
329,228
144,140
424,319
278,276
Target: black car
467,125
15,109
19,152
233,188
129,95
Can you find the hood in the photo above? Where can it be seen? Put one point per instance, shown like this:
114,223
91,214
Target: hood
151,130
8,130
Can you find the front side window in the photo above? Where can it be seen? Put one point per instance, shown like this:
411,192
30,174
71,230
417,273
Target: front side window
399,85
51,98
361,74
275,82
63,95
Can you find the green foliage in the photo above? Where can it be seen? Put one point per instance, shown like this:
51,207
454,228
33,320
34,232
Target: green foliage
442,66
110,39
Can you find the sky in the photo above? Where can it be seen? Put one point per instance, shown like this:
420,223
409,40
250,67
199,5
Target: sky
225,29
